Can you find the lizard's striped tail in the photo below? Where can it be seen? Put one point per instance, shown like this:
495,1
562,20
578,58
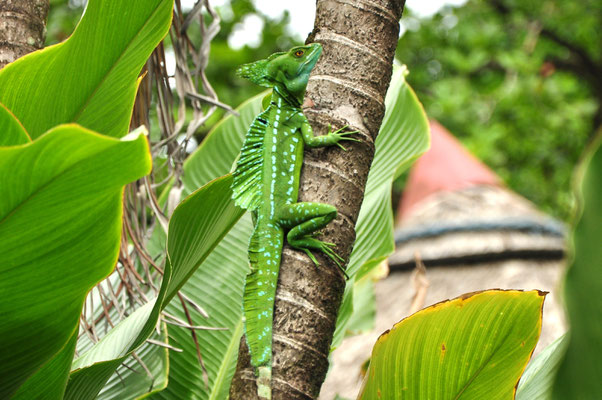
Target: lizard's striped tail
265,250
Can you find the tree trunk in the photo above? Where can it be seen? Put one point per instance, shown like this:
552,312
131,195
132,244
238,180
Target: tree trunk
22,28
347,87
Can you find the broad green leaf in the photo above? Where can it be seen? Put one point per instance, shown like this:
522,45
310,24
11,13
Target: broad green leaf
216,154
92,370
364,307
217,287
197,225
195,230
537,380
132,380
357,313
404,135
51,378
473,347
579,375
60,228
12,132
91,78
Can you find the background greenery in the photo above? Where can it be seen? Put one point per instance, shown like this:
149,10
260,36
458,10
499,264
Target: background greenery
504,77
518,82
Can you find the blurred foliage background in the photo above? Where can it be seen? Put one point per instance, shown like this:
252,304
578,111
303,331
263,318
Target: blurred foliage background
519,82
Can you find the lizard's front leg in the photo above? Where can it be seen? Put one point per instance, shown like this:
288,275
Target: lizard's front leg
304,220
330,139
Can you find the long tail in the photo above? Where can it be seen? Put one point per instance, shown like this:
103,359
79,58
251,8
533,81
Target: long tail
265,250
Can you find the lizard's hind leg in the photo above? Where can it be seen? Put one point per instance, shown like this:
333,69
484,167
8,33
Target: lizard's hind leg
304,220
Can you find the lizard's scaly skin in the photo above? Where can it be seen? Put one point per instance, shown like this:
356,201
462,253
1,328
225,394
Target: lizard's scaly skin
266,182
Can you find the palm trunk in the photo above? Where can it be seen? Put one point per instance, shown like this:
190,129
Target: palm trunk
347,87
22,28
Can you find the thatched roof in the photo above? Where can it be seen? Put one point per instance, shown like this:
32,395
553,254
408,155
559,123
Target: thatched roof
473,225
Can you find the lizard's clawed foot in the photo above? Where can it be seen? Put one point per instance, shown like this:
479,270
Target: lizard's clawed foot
342,135
326,248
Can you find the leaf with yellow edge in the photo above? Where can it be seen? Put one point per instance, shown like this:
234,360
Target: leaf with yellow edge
472,347
12,132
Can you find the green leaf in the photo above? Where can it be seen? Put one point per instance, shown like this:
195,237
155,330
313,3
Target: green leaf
195,230
357,313
215,156
537,380
60,227
197,225
404,135
92,370
52,377
473,347
91,78
132,380
364,307
579,375
12,132
215,286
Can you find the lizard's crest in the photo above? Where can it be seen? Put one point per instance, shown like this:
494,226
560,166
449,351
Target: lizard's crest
257,71
246,188
288,72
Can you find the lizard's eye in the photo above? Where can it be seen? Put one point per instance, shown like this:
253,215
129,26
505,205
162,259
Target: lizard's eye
299,53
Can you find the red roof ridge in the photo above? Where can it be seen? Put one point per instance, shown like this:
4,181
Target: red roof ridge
446,166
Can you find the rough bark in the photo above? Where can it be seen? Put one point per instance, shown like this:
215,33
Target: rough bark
347,87
22,28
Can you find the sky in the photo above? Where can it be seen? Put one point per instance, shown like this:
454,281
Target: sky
302,19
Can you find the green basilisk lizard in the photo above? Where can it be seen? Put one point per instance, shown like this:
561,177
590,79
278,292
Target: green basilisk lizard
266,182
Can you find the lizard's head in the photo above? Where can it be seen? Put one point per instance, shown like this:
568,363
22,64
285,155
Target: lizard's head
288,70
